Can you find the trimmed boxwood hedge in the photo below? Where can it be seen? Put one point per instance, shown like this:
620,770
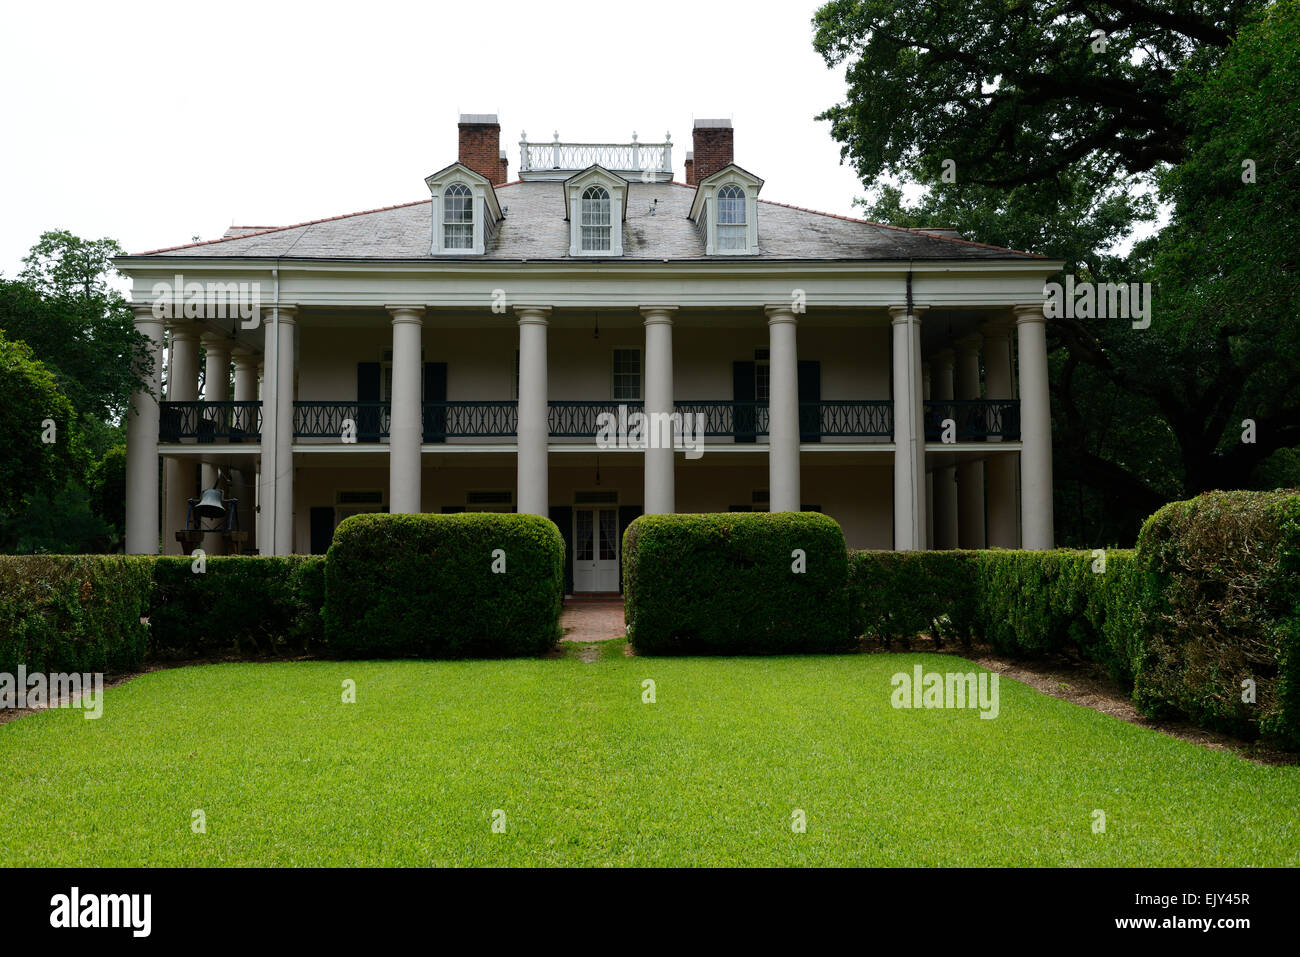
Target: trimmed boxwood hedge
723,584
423,585
1225,608
66,613
896,596
247,605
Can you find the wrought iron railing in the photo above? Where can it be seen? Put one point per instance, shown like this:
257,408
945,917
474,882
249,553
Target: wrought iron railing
444,420
582,419
975,420
743,420
857,418
209,421
367,421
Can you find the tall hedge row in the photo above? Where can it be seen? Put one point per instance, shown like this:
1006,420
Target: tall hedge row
735,583
444,586
242,605
66,613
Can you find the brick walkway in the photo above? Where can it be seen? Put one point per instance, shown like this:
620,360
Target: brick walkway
598,619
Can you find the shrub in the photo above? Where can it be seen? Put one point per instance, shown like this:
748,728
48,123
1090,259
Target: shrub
65,613
900,595
242,605
1224,606
724,584
424,585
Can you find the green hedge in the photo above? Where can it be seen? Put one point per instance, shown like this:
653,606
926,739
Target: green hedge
724,584
239,605
66,613
1226,607
896,596
424,585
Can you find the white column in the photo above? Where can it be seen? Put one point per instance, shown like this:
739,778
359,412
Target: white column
1035,429
970,471
216,388
245,473
929,471
660,495
275,532
533,492
406,428
783,409
179,474
142,443
909,431
945,479
999,470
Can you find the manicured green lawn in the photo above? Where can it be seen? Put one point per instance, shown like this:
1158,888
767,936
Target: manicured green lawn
586,773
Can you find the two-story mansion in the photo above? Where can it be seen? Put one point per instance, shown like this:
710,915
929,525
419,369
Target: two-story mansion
458,353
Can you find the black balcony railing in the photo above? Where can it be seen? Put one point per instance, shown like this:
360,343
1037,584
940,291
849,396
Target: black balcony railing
209,421
367,421
582,419
443,420
975,419
857,418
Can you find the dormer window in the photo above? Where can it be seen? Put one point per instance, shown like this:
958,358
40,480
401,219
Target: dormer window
733,233
465,211
725,211
595,204
458,217
595,219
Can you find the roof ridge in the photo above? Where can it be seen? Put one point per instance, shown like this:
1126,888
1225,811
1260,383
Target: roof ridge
903,229
262,231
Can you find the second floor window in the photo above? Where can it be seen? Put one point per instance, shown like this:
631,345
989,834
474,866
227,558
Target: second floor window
627,375
733,232
595,218
457,217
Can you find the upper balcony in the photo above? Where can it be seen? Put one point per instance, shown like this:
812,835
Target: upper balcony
645,162
724,421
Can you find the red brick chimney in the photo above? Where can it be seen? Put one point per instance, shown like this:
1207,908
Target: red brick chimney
714,148
480,145
690,168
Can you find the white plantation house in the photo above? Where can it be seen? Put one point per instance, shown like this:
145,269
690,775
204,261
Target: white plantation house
463,352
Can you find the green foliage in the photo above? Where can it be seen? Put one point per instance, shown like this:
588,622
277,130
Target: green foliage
424,585
1228,609
28,396
724,584
65,613
107,488
899,595
239,605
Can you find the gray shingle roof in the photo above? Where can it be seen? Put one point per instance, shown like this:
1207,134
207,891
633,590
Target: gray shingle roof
535,228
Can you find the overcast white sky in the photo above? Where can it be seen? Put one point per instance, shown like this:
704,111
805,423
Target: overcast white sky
152,123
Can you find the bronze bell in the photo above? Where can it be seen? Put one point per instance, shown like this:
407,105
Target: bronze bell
210,504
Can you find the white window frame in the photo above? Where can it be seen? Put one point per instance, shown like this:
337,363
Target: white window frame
462,190
725,194
704,209
484,211
584,226
575,187
614,373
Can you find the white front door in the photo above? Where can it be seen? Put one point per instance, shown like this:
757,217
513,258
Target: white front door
595,549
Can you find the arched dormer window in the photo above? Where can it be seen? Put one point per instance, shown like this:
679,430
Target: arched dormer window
595,220
458,217
733,230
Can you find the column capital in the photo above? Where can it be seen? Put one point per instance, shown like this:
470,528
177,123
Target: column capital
183,330
533,313
145,312
658,314
780,312
900,314
242,355
215,343
403,313
1028,312
288,313
968,344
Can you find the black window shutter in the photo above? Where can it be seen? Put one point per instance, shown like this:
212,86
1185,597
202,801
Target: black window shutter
367,391
322,529
744,419
810,390
435,390
562,516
